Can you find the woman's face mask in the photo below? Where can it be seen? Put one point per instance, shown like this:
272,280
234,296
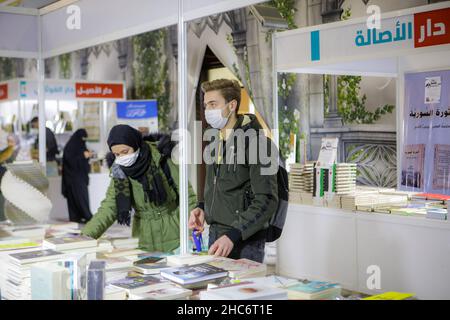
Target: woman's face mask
215,119
127,160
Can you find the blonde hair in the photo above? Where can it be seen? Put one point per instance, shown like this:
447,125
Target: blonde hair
229,89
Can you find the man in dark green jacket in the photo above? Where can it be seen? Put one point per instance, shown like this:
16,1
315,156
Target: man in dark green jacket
240,195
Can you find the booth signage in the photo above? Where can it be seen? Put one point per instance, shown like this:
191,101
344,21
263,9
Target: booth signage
432,28
99,90
58,91
3,91
397,33
137,109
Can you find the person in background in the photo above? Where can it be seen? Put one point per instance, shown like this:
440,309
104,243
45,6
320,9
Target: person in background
50,140
144,181
5,155
75,177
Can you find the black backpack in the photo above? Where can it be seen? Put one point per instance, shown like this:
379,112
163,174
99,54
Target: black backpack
278,219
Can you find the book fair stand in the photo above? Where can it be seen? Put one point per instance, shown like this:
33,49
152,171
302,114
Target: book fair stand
376,240
66,26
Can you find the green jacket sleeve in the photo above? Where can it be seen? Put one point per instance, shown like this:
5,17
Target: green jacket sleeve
105,216
265,201
192,197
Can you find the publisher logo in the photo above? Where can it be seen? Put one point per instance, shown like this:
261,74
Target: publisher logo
432,28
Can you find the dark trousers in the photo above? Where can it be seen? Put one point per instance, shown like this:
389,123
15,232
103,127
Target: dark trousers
252,248
78,203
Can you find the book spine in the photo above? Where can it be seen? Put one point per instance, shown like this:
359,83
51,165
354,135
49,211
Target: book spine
96,283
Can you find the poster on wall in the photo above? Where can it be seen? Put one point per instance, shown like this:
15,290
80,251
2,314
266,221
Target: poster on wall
91,120
426,149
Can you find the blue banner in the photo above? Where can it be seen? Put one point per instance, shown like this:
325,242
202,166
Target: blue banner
143,109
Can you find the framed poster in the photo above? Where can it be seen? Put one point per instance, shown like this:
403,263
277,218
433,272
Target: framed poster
426,148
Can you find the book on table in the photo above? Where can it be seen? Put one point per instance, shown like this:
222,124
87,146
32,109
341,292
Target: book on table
189,259
313,290
139,284
244,291
240,268
193,274
69,242
35,256
154,268
169,293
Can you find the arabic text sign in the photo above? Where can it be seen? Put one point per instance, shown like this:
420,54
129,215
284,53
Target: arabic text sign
3,91
425,151
432,28
99,90
137,109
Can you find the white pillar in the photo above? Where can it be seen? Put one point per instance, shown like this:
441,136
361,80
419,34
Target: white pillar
41,98
183,125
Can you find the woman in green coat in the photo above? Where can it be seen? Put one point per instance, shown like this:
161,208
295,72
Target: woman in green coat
146,182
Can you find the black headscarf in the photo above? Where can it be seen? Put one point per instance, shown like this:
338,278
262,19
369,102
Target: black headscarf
75,164
143,170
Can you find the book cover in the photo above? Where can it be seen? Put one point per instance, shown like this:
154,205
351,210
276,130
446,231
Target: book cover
151,268
33,256
412,174
312,287
70,241
169,293
140,283
239,268
247,291
441,168
194,273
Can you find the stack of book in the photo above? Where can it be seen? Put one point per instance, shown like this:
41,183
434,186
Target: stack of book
313,290
367,199
345,178
244,291
241,268
195,276
18,276
437,214
301,177
301,183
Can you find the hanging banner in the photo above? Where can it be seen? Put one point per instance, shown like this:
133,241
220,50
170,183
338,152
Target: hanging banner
134,110
3,91
99,91
425,165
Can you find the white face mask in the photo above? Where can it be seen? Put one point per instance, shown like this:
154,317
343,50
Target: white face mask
215,119
127,160
34,131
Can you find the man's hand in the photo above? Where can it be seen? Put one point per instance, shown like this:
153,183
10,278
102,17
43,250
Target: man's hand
222,247
197,219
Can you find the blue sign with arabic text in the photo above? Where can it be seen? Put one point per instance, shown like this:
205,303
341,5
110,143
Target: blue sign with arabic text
143,109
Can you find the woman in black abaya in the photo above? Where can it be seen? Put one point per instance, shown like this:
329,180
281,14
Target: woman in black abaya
75,177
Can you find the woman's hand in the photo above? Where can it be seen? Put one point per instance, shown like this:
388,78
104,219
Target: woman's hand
87,154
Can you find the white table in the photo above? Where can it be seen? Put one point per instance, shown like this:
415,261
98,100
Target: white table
412,253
